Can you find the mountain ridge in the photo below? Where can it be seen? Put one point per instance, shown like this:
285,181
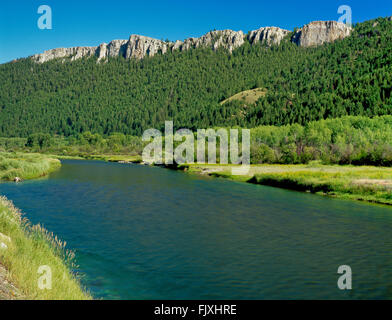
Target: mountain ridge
138,47
348,77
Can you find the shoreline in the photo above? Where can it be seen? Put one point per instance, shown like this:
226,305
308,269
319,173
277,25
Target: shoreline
25,248
357,183
297,180
300,178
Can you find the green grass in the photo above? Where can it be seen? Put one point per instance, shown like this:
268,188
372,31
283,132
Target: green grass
26,166
371,184
248,96
117,158
31,247
103,157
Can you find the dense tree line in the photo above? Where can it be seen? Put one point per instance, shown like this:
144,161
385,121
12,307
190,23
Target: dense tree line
347,140
348,77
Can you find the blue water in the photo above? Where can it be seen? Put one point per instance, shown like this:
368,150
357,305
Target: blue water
152,233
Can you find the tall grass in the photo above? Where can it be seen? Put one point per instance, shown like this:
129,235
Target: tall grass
366,183
26,166
30,248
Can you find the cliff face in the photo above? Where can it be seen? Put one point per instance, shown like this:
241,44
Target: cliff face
268,35
138,47
227,39
320,32
73,53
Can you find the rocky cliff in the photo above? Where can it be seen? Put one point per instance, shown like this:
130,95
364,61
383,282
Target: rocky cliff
228,39
320,32
73,53
268,35
138,47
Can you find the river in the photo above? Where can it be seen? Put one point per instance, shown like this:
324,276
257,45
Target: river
151,233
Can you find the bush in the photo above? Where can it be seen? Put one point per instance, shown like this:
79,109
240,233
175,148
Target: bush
40,140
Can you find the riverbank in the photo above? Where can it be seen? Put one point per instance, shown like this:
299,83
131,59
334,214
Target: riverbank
370,184
26,166
30,253
25,248
361,183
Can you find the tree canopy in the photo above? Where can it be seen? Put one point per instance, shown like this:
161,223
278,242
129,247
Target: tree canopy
348,77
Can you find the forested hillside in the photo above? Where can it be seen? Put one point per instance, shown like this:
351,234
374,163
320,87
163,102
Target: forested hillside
349,77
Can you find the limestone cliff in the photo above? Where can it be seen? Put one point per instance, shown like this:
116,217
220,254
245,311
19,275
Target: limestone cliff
138,47
268,35
320,32
227,39
73,53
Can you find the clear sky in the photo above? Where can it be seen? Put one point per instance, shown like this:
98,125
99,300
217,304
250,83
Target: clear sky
91,22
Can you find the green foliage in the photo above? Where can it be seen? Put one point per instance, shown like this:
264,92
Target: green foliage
348,77
41,140
348,140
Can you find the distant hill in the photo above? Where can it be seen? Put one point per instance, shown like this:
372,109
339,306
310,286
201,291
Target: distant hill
304,81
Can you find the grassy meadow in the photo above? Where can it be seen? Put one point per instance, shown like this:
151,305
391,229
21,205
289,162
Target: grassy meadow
248,96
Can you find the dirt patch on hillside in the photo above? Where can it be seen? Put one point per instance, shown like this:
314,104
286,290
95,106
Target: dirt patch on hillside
7,290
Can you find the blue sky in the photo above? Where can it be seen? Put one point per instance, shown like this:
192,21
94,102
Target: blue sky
91,22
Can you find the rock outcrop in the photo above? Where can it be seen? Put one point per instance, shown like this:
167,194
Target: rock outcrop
73,53
4,238
268,35
320,32
227,39
3,241
138,47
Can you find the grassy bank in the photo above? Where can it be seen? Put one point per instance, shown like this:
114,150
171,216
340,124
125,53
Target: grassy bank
371,184
25,248
363,183
26,166
114,158
30,247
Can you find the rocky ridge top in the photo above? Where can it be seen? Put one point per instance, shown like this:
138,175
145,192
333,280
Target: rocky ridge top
320,32
138,47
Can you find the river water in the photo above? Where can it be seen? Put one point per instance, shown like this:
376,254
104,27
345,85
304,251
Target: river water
152,233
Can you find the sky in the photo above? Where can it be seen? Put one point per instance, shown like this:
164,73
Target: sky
92,22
